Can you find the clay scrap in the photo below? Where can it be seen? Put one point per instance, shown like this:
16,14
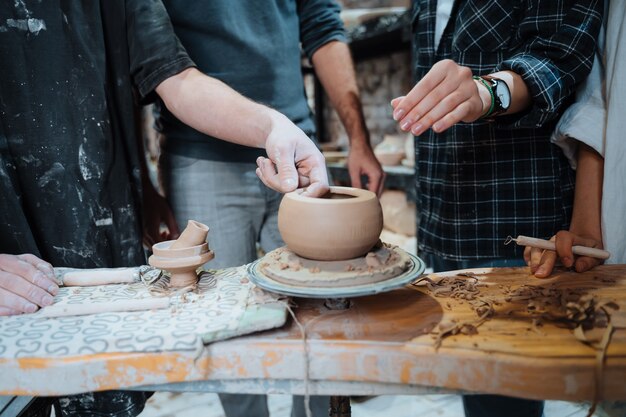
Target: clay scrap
591,318
575,309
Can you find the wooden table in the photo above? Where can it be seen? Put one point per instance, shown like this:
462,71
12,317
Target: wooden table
382,344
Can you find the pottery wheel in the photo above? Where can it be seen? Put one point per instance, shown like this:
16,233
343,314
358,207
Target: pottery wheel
379,265
384,268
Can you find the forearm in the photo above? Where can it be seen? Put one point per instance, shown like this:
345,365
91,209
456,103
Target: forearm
335,70
213,108
585,228
588,194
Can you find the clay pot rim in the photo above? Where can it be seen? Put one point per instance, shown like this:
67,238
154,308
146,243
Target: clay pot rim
172,264
163,250
359,195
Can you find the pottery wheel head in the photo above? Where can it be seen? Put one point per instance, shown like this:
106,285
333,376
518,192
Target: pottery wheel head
383,263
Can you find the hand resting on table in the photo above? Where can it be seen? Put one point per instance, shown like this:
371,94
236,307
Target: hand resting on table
26,283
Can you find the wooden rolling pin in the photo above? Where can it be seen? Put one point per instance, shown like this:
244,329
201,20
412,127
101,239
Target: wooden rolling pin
71,277
64,310
548,245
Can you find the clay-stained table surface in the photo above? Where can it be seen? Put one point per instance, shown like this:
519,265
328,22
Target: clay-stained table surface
381,345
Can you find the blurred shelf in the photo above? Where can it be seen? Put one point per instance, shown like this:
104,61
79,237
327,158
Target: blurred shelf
381,35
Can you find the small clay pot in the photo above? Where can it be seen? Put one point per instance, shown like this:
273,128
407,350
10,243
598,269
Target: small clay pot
181,257
389,158
391,151
344,224
180,263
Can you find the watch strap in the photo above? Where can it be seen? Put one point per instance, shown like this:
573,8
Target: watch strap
498,107
491,93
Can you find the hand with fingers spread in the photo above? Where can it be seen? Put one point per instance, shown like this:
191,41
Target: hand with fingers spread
26,283
446,95
542,262
293,160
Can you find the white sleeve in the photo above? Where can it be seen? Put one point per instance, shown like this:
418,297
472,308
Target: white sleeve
584,120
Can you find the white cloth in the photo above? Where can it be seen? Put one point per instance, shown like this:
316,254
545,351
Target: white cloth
598,119
444,8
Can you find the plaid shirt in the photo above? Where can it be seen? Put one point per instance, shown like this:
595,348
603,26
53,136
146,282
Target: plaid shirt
480,182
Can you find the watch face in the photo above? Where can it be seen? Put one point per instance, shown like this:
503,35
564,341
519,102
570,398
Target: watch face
503,93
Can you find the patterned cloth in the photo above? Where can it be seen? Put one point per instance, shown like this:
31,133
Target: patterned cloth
225,304
480,182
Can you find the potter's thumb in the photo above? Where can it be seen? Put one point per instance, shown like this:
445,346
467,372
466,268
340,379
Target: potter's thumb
287,173
288,184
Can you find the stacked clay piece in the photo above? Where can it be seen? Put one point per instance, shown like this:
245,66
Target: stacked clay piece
182,257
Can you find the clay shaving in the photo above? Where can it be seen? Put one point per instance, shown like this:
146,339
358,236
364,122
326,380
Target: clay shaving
459,289
588,317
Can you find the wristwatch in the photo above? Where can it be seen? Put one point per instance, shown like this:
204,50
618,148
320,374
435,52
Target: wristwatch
500,95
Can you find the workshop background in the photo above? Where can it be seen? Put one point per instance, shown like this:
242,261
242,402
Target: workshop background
379,36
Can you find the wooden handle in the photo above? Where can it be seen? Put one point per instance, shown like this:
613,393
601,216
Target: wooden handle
103,276
548,245
64,310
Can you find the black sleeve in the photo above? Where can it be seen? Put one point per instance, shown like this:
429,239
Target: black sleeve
155,52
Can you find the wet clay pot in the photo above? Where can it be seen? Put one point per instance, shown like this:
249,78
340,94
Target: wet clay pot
344,224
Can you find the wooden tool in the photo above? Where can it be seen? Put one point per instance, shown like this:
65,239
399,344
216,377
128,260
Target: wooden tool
64,310
73,277
548,245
